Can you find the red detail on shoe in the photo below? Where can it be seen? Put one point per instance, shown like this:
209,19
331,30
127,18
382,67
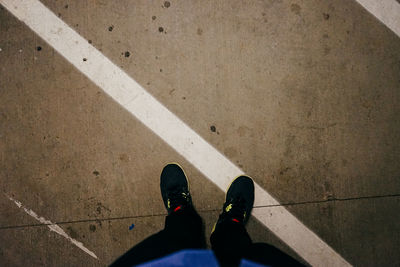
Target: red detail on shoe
235,220
177,208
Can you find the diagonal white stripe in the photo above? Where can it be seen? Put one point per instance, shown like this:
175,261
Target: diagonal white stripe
128,93
387,11
53,227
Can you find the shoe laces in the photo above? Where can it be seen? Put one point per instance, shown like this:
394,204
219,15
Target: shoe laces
178,199
236,209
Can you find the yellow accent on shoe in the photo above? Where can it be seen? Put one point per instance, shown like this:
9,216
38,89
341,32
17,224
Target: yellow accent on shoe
228,208
213,229
169,204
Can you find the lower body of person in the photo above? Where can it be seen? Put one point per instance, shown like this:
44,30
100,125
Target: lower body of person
184,229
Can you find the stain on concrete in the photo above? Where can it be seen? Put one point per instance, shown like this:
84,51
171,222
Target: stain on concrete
199,31
66,6
213,128
283,171
160,29
100,208
96,173
131,226
92,228
111,28
72,233
264,18
39,48
167,4
99,223
327,50
153,17
127,54
124,157
326,16
84,59
295,8
89,41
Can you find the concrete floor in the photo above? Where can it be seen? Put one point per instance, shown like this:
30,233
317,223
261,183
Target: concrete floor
304,97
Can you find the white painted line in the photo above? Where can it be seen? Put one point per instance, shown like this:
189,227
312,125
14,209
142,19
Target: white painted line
53,227
387,11
167,126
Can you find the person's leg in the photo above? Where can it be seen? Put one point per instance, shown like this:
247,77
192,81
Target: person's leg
183,229
229,239
183,226
229,242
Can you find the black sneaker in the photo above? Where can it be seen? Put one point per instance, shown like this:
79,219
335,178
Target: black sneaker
239,201
175,188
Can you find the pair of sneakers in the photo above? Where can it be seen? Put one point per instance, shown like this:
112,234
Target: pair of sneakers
176,196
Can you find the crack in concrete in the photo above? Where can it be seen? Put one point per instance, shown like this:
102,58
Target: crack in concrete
202,211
